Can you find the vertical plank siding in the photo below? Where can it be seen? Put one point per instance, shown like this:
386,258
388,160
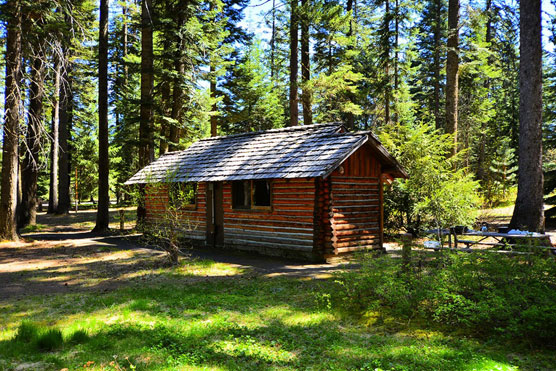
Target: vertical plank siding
356,204
286,226
193,219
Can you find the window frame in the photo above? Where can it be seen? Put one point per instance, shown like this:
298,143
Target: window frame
252,206
183,206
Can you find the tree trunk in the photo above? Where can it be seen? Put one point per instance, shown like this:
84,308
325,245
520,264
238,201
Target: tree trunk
528,212
482,141
103,213
350,117
213,117
452,67
54,143
386,46
306,67
273,43
30,168
8,196
294,41
396,56
66,107
437,25
177,106
146,142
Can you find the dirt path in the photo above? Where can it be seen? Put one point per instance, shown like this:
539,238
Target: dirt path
64,257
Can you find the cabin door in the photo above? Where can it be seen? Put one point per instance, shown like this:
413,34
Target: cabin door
215,214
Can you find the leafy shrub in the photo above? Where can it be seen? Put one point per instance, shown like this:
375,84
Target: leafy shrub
49,340
486,294
78,337
436,194
27,332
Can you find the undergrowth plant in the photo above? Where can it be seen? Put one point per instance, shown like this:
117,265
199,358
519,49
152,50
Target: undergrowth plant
486,294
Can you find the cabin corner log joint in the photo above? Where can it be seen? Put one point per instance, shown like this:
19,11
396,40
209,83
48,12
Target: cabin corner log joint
310,192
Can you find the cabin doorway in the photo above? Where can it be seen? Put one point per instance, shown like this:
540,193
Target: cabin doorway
215,214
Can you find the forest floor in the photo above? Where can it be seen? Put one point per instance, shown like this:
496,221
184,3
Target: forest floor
217,311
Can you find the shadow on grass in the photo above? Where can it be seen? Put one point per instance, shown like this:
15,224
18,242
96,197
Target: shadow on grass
237,323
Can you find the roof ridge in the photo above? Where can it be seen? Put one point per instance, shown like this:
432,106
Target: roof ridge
279,130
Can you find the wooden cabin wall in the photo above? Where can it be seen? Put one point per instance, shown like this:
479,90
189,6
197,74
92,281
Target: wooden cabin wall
356,204
192,219
284,230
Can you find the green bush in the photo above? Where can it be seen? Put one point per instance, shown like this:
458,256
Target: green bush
49,340
78,337
27,332
436,194
486,294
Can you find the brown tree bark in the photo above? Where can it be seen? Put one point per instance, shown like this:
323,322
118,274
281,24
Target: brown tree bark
294,41
436,62
482,141
66,116
30,168
146,141
213,117
452,72
8,195
177,107
387,87
54,143
306,67
528,213
103,213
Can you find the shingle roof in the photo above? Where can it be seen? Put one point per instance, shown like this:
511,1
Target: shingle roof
295,152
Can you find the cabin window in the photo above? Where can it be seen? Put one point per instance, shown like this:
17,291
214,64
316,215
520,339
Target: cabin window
182,195
241,194
261,193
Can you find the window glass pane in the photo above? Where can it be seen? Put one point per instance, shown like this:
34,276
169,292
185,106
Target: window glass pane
241,194
261,192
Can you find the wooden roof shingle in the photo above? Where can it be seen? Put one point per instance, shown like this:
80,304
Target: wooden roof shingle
294,152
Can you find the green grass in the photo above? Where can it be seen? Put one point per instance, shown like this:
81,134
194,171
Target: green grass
212,316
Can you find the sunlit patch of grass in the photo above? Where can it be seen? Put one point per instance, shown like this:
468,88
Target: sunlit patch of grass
204,267
178,319
33,228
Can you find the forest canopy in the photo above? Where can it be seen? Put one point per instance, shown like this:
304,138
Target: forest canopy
96,90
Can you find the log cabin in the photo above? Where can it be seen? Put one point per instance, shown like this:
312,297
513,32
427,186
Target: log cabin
311,192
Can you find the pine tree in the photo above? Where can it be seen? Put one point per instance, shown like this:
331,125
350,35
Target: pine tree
11,123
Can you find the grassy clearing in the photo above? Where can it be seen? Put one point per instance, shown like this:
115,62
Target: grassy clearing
213,316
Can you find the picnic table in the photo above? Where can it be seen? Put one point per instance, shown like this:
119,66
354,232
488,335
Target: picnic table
505,240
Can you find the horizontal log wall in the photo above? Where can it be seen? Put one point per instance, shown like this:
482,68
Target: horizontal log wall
193,219
286,226
356,203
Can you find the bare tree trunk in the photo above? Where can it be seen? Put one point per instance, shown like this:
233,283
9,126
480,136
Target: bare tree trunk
177,107
30,168
350,117
437,117
8,196
396,45
213,116
66,106
178,94
528,212
146,142
273,42
54,143
306,67
452,72
294,41
387,87
482,141
103,213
